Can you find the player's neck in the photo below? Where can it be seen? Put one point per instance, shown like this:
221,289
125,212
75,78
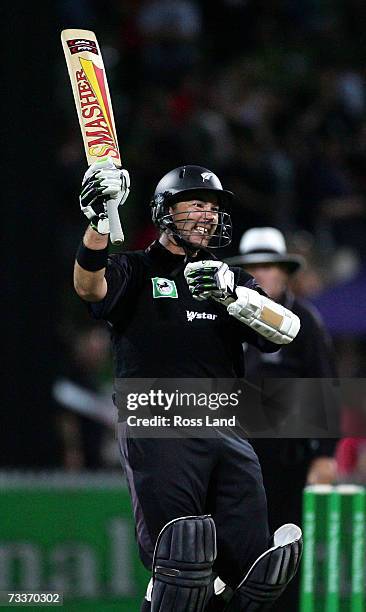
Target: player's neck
170,245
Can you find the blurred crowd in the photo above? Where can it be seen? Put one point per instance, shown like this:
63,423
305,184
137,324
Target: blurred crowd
270,95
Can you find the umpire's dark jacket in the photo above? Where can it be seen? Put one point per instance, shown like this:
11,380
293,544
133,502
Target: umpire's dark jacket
285,461
310,355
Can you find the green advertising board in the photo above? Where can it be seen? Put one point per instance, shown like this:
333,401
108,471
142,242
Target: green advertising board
334,561
73,534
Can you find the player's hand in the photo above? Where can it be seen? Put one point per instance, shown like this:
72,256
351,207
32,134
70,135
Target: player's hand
209,278
103,182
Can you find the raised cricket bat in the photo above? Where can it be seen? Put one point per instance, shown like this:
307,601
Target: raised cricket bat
93,103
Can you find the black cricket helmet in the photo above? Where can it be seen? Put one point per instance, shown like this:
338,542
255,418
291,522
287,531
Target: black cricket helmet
185,183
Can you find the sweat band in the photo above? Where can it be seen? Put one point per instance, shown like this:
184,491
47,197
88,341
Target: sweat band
91,260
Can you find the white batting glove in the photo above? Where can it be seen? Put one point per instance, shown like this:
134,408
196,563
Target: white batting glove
209,278
103,182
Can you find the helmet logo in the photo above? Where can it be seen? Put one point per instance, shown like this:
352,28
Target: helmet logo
159,198
206,176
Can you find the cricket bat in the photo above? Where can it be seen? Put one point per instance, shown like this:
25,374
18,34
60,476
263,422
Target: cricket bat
93,104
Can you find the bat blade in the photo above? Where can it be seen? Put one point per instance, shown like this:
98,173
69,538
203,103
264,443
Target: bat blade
93,104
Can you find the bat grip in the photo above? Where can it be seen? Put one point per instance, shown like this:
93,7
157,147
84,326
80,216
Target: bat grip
116,232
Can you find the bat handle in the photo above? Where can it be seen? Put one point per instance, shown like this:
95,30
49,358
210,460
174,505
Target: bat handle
116,231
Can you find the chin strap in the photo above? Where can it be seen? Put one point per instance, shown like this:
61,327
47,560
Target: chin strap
189,250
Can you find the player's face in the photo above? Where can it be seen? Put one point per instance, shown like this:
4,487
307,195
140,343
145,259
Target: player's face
271,277
197,219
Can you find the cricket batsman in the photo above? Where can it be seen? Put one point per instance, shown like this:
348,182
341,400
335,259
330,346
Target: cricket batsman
199,503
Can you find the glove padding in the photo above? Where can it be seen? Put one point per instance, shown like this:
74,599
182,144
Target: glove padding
103,182
209,278
269,319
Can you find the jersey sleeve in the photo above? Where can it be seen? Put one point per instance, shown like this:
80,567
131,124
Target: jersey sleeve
122,279
246,334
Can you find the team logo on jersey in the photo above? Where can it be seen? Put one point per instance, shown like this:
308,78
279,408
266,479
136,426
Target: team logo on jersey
206,176
162,287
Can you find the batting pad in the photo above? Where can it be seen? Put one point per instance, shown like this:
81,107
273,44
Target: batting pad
270,573
182,567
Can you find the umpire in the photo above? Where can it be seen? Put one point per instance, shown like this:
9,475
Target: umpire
263,253
287,462
176,311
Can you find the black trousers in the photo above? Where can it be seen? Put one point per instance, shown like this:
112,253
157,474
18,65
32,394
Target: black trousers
174,477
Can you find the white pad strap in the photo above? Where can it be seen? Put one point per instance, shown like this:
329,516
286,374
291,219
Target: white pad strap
149,590
269,319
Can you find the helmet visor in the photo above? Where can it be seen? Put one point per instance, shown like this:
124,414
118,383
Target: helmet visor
207,229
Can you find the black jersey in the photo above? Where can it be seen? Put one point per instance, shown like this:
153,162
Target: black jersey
159,330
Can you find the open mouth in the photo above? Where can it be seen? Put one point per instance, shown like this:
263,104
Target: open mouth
203,230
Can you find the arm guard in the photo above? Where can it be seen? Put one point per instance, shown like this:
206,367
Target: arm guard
269,319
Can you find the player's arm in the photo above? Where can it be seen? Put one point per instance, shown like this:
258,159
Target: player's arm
91,285
102,181
268,318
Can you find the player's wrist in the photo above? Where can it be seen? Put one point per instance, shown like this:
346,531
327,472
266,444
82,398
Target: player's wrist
91,260
95,239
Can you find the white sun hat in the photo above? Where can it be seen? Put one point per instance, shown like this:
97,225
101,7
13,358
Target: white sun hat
262,245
